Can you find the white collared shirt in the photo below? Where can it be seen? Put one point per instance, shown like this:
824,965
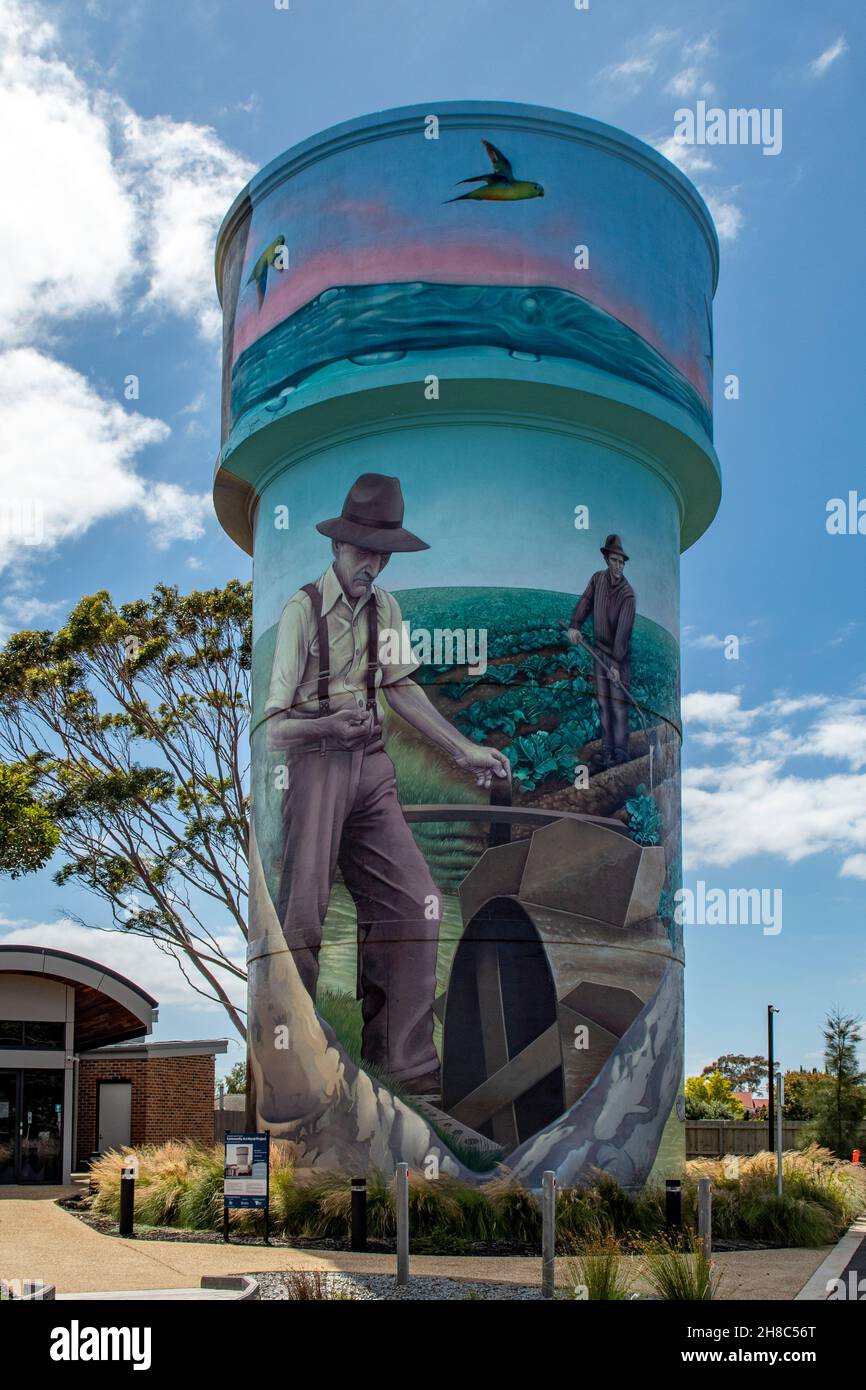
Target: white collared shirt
295,669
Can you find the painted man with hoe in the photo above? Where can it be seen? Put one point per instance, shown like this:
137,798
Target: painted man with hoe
611,600
341,806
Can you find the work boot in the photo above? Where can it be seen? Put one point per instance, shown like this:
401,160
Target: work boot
429,1086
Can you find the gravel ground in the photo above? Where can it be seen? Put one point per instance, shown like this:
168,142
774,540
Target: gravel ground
383,1287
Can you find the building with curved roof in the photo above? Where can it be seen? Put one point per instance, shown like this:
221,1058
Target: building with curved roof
78,1074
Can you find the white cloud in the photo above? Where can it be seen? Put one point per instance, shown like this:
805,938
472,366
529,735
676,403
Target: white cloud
727,216
629,71
825,60
687,82
740,810
841,736
692,159
683,83
752,803
691,79
854,867
67,460
111,213
715,707
67,222
185,179
18,611
136,957
632,71
175,514
843,634
704,47
107,206
711,641
195,406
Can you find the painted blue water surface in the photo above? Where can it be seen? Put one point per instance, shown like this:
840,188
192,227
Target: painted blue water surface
378,323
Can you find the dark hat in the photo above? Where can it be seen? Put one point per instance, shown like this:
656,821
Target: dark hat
613,545
372,517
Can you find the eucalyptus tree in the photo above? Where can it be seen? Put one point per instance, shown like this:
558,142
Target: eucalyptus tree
124,738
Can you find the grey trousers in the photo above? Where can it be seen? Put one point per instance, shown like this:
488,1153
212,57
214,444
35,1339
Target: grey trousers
341,808
613,709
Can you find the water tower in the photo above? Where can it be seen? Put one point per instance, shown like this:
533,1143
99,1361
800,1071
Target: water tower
473,342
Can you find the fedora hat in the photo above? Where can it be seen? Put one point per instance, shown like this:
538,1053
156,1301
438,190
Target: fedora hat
613,545
372,517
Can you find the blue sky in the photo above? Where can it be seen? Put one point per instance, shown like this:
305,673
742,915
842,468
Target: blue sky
133,127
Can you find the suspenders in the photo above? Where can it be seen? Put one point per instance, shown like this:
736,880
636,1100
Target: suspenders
372,650
324,676
324,647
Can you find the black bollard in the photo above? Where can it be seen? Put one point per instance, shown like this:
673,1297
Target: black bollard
359,1214
127,1200
673,1206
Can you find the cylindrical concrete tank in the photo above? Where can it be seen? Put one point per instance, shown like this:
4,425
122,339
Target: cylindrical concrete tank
474,343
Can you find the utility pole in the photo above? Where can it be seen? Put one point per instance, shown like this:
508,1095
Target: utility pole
771,1079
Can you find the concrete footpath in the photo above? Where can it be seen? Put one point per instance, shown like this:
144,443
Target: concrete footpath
39,1240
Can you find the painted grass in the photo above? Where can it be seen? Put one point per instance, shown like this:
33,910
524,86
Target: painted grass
343,1013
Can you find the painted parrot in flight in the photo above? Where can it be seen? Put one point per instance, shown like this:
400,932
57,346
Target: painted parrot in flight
270,259
501,186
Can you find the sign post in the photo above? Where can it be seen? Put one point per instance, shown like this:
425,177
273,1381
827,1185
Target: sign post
246,1176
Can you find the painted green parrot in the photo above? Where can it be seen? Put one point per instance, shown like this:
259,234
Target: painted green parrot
267,261
501,186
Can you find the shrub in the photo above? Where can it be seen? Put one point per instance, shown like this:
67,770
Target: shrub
678,1270
821,1197
710,1091
598,1271
307,1285
517,1211
181,1185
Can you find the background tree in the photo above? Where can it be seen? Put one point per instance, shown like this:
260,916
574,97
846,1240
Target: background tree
841,1102
708,1097
125,733
28,835
236,1080
802,1093
744,1073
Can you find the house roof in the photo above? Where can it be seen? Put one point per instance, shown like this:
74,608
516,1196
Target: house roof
108,1007
194,1047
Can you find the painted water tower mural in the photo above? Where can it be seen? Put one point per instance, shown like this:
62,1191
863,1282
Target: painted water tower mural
472,345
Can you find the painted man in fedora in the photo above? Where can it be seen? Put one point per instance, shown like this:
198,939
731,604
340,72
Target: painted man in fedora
611,600
341,806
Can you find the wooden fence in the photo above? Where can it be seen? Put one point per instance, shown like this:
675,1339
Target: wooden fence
229,1118
715,1138
704,1138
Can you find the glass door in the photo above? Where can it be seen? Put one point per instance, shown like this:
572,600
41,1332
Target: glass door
8,1126
41,1127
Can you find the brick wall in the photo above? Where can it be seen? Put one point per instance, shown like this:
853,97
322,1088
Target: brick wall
90,1073
180,1099
172,1098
